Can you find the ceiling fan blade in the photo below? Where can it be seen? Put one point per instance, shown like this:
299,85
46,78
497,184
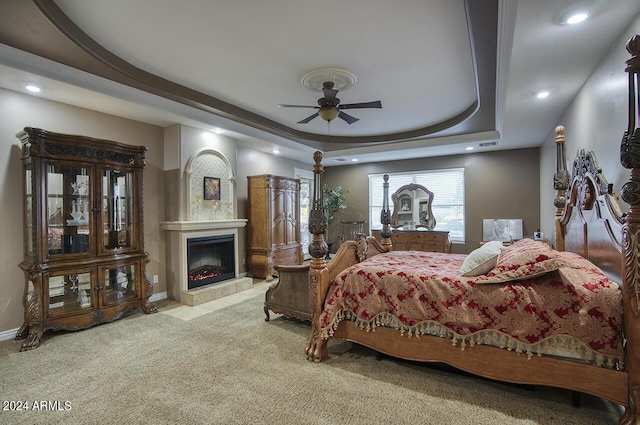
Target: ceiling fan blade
306,120
282,105
348,118
376,104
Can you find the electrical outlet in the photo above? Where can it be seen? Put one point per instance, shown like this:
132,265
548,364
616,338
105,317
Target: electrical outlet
155,278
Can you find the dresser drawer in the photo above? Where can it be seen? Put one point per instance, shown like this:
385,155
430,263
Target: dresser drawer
416,240
432,236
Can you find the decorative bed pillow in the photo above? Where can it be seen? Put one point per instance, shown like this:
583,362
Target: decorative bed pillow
524,259
482,260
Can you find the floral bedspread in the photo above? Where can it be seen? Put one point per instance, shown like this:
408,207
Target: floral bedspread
573,309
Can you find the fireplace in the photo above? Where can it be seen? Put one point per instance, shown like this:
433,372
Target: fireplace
204,246
210,259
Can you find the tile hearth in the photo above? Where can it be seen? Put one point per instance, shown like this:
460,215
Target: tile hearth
215,291
186,313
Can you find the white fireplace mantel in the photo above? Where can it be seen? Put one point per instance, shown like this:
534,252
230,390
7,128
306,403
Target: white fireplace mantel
193,226
179,233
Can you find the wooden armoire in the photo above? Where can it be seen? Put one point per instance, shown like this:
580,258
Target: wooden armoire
274,224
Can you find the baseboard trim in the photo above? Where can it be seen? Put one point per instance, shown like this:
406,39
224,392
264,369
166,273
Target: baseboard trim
7,335
157,297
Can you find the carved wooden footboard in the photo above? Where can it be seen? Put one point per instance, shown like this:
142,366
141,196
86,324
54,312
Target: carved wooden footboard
588,221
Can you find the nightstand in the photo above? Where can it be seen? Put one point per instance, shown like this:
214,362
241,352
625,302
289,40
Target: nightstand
290,294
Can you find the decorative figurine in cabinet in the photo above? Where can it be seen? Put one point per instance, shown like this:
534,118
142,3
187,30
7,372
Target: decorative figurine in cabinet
84,258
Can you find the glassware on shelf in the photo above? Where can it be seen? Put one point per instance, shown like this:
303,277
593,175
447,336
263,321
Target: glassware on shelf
215,206
84,299
73,279
79,188
196,203
75,211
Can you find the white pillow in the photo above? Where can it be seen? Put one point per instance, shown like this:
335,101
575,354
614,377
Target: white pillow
482,260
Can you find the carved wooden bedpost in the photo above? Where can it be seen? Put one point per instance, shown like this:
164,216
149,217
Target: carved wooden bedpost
316,349
630,158
385,215
560,184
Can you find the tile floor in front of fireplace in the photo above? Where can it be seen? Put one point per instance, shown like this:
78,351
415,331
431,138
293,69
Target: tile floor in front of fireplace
185,312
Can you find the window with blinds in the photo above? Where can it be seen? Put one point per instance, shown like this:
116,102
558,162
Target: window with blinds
448,197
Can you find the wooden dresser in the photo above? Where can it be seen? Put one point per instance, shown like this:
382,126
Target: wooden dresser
419,240
274,224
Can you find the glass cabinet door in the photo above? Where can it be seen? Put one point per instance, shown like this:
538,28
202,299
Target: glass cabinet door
119,283
68,209
117,209
69,293
29,219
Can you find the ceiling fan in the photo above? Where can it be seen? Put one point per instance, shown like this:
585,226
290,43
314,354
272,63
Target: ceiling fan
330,106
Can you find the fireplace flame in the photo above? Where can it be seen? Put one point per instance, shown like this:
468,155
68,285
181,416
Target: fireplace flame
205,272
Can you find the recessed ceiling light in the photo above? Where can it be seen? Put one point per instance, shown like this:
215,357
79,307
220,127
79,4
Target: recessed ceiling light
468,148
218,130
354,160
275,151
542,94
33,88
575,16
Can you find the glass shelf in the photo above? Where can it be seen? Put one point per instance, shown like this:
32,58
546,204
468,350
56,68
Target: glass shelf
69,292
120,283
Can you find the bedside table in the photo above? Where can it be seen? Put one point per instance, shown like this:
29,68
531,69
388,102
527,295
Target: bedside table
290,294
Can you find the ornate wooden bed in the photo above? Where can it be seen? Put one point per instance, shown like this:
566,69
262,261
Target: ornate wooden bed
589,222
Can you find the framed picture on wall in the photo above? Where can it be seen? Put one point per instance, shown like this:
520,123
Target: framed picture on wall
500,229
211,189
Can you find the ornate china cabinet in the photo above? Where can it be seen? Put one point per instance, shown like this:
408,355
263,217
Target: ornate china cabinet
84,259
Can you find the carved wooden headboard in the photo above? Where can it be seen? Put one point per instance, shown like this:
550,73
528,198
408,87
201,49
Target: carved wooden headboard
588,217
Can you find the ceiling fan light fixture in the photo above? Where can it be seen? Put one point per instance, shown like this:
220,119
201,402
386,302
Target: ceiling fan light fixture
329,114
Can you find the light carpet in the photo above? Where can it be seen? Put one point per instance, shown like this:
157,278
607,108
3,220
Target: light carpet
229,366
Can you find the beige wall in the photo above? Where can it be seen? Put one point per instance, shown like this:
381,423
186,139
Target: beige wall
501,184
18,111
595,120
